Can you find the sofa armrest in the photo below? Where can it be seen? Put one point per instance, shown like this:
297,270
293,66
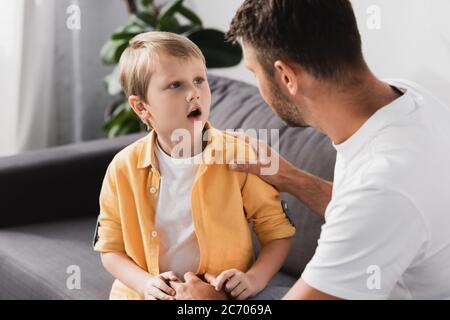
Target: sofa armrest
55,183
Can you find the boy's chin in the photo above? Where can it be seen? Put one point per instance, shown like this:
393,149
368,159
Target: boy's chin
193,126
198,122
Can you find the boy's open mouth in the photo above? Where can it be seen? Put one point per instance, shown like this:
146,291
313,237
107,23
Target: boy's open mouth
196,112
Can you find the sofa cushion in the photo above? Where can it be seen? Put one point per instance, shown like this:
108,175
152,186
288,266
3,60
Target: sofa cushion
34,261
239,105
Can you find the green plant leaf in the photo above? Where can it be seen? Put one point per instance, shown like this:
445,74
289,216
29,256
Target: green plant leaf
148,18
129,126
217,52
188,29
119,115
112,82
112,50
191,16
126,123
170,24
146,3
131,26
170,8
166,18
128,33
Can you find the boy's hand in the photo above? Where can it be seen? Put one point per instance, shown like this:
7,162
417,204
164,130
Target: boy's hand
238,284
157,287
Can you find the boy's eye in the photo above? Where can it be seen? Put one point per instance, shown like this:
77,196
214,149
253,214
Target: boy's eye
174,85
199,81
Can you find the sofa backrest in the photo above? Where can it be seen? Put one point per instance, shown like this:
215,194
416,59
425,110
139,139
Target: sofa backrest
239,105
64,182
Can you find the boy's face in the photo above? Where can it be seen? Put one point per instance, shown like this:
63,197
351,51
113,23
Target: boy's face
178,94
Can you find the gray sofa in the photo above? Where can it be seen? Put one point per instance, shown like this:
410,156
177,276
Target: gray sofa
50,204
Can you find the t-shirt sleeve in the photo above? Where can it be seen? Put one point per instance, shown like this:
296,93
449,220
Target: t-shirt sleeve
371,236
262,206
108,232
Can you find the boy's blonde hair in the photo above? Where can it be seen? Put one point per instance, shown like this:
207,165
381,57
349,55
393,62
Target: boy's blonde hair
136,62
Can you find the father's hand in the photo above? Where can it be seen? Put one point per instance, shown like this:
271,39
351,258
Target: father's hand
270,166
196,289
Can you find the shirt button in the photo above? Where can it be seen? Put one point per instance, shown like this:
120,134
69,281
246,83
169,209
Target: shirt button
152,190
154,234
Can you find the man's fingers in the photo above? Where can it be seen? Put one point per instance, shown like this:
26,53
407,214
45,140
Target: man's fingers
232,283
223,277
190,276
170,275
257,145
158,294
244,295
210,279
238,290
163,286
253,142
175,284
246,167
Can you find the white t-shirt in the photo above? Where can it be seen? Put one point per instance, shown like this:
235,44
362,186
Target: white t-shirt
179,251
387,230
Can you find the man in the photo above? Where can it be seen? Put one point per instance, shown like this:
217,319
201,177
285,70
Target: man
387,214
388,211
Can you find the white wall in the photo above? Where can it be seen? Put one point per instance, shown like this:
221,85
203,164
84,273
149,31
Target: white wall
218,14
10,53
413,41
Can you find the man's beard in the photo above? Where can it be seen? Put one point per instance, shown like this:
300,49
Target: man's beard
285,109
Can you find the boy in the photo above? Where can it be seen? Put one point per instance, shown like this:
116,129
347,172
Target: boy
161,214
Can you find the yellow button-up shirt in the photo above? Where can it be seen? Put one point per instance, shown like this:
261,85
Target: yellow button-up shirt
223,203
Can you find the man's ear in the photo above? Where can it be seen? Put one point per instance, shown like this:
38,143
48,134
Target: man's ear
138,106
287,76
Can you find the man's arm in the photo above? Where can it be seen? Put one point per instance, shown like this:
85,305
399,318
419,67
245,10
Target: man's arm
311,190
302,291
195,288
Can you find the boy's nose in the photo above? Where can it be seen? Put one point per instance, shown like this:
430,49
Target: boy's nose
192,97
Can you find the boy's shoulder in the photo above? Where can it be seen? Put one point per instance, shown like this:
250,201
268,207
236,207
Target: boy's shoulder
230,148
128,157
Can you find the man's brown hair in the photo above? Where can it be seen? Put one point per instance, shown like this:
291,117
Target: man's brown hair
320,35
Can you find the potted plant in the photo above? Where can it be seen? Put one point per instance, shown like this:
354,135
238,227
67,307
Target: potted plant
144,16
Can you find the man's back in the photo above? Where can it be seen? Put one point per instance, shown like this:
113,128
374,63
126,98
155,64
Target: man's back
389,216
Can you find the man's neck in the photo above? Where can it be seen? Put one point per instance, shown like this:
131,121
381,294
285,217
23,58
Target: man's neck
342,114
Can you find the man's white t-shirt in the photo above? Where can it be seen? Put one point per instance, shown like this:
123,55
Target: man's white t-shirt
179,250
387,229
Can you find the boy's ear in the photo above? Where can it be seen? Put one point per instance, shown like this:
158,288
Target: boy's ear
286,76
138,106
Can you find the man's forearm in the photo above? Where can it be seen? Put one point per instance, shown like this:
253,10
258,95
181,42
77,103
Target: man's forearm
312,191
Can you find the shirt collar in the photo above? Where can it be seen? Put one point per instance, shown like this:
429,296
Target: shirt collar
380,119
147,156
